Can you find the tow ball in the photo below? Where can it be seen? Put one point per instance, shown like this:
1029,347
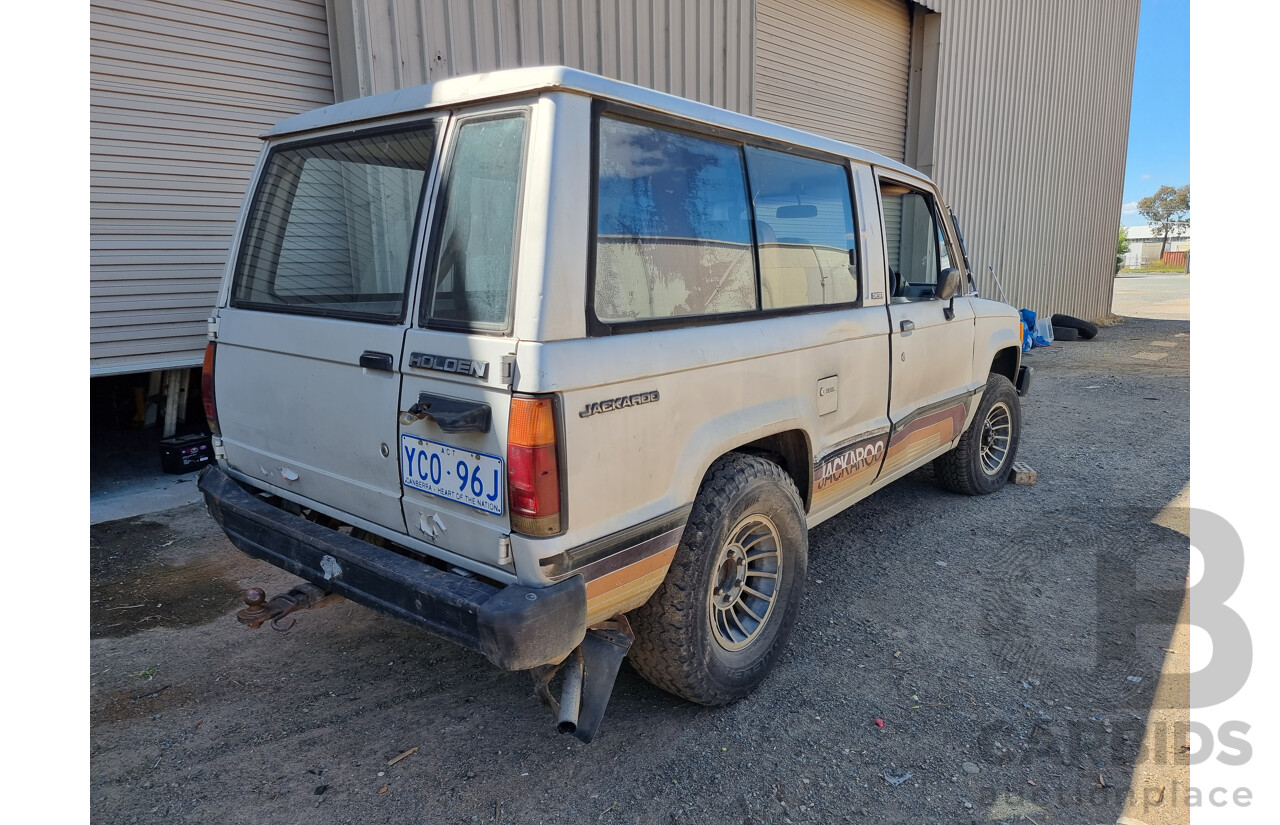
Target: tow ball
589,673
278,611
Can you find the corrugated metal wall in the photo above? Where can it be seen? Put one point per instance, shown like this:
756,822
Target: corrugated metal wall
699,49
1029,126
1030,137
179,93
835,67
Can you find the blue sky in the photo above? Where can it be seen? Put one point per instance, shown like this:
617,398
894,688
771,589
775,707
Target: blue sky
1160,123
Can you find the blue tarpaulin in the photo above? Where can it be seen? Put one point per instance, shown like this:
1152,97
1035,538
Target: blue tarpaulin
1030,338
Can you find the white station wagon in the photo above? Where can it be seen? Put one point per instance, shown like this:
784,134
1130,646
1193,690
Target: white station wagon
545,363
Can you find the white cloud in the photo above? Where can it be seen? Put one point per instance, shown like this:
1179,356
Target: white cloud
1146,177
1129,208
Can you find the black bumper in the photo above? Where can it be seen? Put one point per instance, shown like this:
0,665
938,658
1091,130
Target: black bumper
1023,384
516,627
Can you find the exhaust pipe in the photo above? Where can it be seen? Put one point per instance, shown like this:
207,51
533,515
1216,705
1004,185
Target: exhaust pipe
571,694
589,673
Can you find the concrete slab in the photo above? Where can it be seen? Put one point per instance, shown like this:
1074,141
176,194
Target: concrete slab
126,479
1162,296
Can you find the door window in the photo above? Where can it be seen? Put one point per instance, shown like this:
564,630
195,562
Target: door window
331,229
913,240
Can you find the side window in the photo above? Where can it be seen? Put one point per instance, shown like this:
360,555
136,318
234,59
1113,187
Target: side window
673,233
471,282
804,228
912,239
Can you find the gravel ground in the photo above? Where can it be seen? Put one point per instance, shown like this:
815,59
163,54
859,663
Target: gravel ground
994,638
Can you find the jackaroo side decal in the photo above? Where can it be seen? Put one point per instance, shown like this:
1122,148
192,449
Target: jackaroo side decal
848,469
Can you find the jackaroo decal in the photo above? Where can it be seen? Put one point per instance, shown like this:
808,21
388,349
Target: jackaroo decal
848,469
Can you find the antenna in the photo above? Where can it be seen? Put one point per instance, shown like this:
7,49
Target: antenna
992,270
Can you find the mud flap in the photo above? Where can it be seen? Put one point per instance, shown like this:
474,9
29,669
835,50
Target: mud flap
589,675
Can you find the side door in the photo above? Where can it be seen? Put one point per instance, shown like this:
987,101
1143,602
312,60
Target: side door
930,388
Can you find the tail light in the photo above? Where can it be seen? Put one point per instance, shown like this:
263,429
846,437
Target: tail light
533,470
206,389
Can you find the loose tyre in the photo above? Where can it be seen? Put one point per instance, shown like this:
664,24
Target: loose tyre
1065,334
1087,330
981,462
715,627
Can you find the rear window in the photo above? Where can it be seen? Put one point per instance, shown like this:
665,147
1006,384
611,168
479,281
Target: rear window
331,229
470,287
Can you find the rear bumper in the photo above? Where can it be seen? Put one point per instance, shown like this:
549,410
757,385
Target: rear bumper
516,627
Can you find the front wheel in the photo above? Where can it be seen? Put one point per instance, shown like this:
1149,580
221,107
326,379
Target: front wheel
713,630
981,462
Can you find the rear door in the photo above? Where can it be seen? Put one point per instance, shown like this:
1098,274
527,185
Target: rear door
309,345
458,356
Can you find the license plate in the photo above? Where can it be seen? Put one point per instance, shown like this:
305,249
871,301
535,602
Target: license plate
474,479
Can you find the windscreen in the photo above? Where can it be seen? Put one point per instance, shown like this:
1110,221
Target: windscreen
331,229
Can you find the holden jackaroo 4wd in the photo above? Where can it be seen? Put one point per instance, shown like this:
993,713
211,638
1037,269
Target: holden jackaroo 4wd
548,364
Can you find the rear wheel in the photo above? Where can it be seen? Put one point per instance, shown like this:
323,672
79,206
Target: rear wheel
713,630
981,462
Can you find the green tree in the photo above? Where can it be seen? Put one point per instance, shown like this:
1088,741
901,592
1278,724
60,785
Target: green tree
1122,248
1168,212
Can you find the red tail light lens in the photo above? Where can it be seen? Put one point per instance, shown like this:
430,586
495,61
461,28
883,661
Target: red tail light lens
206,389
533,470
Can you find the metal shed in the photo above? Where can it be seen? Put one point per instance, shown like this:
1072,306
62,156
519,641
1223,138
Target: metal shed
1019,110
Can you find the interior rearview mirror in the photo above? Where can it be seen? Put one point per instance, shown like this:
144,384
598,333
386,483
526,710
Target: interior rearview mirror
797,210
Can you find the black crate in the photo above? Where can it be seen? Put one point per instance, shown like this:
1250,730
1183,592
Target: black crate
184,453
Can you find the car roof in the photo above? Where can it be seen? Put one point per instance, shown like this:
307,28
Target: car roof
456,91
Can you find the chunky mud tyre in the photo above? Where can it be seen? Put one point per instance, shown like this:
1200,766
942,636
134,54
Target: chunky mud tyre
1087,330
981,462
1066,334
714,629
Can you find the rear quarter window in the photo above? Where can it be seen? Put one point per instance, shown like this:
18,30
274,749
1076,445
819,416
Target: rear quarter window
673,232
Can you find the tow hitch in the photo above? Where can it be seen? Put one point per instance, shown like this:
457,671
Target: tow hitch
589,673
278,610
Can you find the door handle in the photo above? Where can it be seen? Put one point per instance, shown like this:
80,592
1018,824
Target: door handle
451,414
371,360
907,326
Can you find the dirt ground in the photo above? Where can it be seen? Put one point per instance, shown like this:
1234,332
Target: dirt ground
1012,645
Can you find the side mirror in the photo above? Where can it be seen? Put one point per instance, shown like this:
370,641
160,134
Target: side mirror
949,286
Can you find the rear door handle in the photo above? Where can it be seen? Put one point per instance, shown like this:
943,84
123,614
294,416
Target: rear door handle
452,415
907,326
371,360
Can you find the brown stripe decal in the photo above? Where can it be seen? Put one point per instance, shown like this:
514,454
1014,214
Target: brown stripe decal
622,576
629,556
922,436
628,588
955,413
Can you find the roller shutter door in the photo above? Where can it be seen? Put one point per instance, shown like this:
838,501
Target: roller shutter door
837,68
179,94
